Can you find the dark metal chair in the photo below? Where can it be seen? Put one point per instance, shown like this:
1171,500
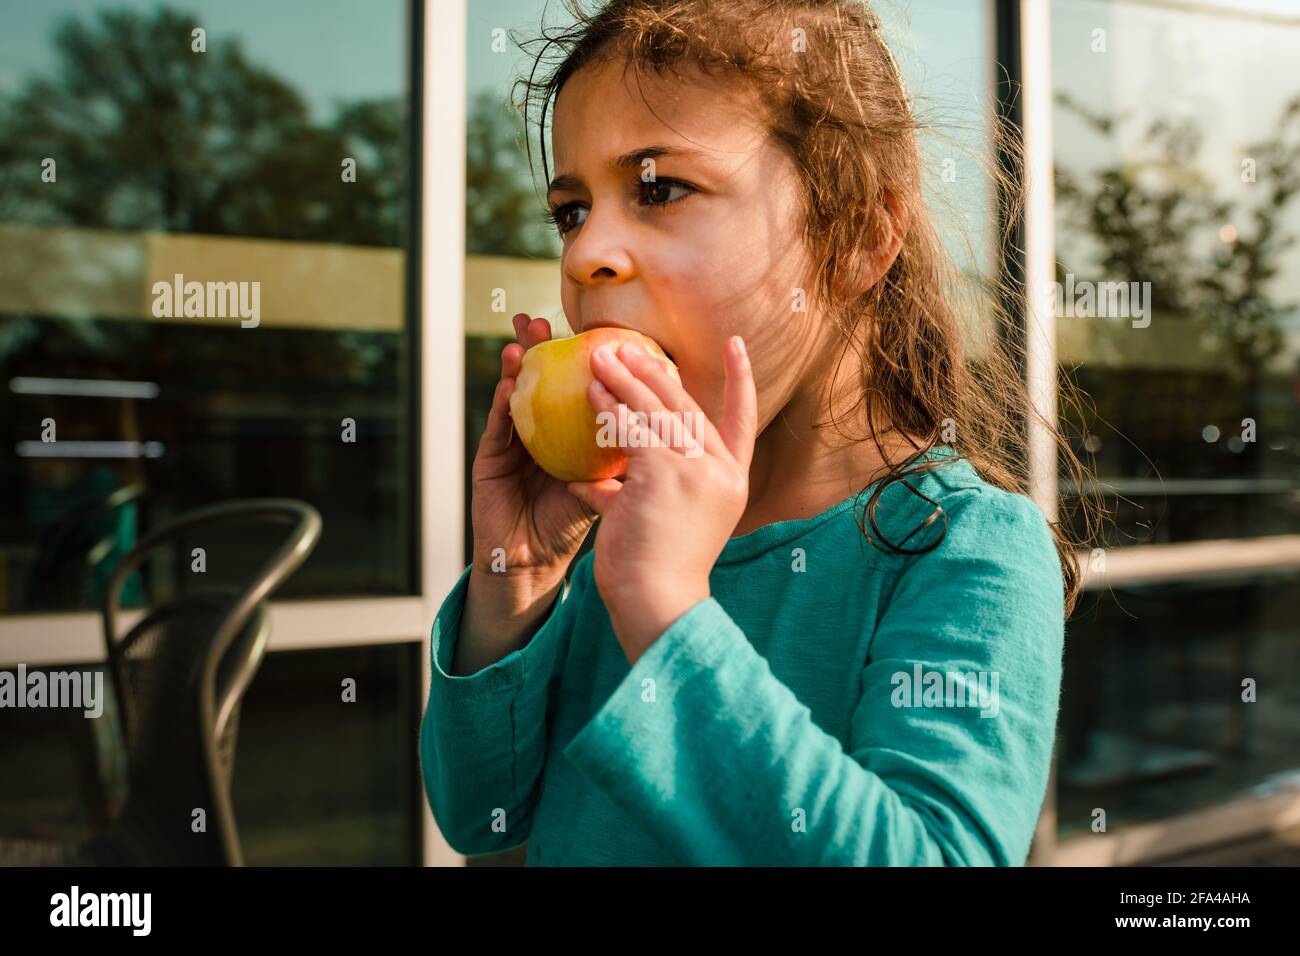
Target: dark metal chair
64,575
69,573
180,675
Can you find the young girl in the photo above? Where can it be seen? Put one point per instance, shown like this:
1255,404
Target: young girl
835,636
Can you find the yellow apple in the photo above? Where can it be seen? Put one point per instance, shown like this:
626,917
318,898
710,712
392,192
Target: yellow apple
552,414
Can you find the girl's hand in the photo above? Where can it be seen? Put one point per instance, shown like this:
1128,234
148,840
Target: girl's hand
516,506
664,526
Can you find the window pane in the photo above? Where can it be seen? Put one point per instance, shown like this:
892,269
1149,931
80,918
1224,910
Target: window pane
203,283
1177,144
508,245
1156,715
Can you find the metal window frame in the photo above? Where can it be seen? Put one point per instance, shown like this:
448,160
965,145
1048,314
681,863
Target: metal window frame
1022,65
442,124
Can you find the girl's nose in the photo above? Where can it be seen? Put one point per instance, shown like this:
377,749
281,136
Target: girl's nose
599,254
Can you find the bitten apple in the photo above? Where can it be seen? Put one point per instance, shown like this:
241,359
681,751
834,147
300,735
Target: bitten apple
552,414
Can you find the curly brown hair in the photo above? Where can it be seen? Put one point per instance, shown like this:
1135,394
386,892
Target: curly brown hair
836,103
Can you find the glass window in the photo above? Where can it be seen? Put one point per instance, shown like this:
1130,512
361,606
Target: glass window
1153,720
203,283
508,244
204,224
1177,141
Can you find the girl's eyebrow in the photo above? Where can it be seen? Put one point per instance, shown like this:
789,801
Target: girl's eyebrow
630,160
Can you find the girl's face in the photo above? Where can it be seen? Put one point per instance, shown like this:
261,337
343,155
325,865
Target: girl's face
683,223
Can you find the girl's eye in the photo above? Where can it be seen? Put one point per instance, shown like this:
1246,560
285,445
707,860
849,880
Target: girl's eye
562,216
656,193
659,192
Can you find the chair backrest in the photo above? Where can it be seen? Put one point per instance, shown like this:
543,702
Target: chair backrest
180,674
63,574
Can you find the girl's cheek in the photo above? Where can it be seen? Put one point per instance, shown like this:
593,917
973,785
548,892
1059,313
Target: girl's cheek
710,394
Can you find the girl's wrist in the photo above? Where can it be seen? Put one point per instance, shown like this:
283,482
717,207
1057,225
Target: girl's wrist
641,619
512,596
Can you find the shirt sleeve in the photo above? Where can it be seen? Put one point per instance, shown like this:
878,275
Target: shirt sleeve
723,765
483,736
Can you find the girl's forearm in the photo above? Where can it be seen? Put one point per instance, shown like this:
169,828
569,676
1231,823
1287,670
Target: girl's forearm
502,613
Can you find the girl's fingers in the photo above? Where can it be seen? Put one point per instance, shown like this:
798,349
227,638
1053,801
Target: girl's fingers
696,426
618,378
500,426
632,424
512,357
653,372
539,330
740,406
596,495
530,331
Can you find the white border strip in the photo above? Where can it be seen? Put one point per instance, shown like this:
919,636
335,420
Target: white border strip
1191,561
78,637
1040,323
1135,844
1040,246
442,338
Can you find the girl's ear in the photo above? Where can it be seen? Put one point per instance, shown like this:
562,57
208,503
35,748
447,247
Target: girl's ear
899,219
873,263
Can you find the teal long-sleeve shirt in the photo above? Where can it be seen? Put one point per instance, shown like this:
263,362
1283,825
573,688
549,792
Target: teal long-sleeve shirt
828,704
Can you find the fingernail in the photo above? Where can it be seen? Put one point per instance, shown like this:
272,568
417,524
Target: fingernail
598,386
604,354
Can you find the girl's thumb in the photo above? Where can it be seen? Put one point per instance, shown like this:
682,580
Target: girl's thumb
596,495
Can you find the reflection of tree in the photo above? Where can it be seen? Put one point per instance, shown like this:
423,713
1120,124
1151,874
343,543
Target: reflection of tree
374,133
149,135
503,215
1157,219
